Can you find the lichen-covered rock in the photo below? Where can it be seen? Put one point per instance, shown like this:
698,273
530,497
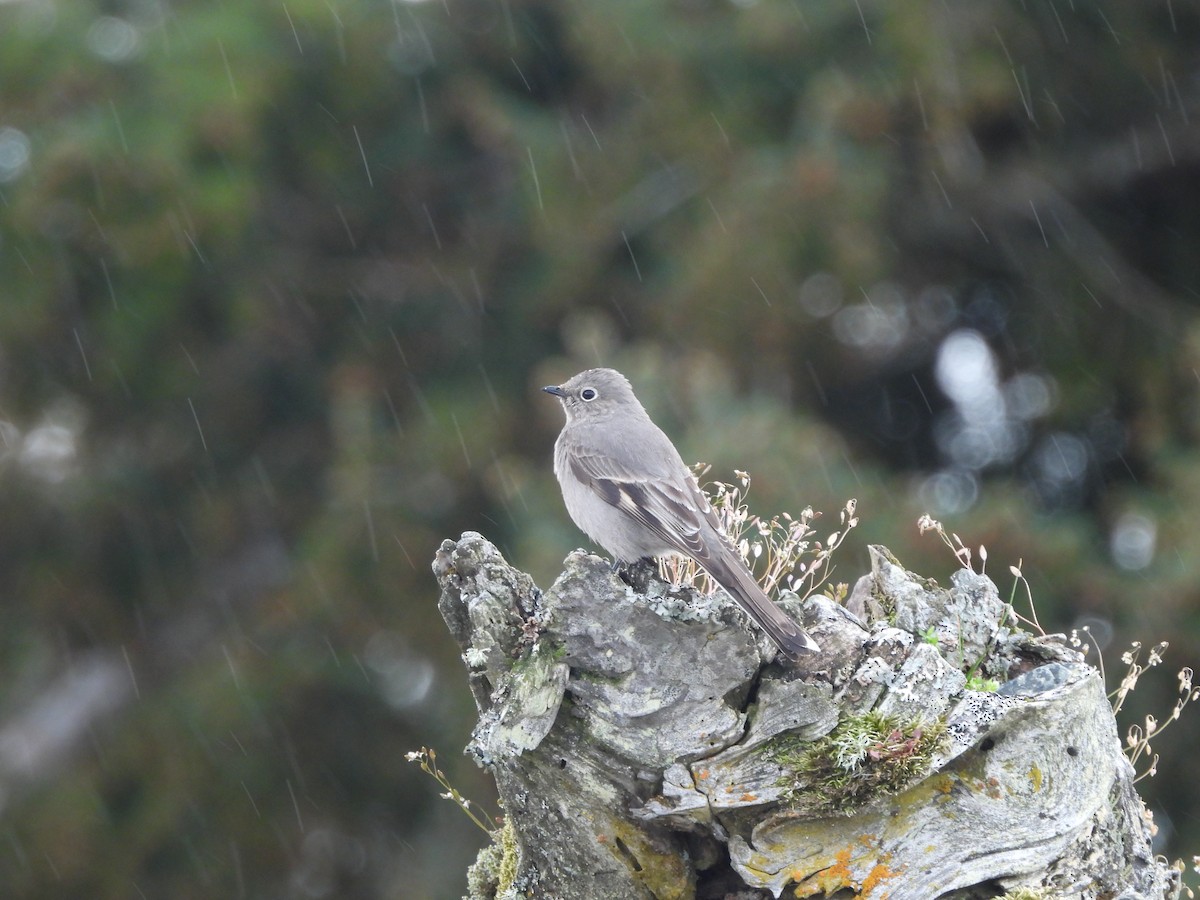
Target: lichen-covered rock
965,621
647,745
1041,769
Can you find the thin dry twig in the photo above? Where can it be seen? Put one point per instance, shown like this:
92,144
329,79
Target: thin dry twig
426,757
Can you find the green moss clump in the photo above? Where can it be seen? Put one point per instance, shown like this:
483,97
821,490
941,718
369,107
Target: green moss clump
494,872
980,683
866,756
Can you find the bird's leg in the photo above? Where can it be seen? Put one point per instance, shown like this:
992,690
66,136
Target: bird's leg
617,566
636,574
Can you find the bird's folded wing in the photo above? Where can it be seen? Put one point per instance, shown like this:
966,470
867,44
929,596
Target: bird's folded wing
674,509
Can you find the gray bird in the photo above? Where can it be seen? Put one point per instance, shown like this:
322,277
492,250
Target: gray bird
626,486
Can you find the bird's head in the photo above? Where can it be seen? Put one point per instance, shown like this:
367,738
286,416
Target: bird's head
595,394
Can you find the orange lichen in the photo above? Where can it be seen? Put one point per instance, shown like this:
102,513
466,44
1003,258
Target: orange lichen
839,875
880,872
839,872
832,878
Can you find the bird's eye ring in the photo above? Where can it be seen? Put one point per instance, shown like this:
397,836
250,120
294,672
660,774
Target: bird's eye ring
587,394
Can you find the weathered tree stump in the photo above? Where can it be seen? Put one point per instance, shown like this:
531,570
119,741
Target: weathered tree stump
646,744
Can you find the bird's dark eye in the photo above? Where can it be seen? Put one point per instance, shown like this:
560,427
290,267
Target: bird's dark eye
587,394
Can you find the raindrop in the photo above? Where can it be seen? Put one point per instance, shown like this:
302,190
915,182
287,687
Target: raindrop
14,153
1132,541
113,40
366,165
295,33
537,186
761,292
196,419
1058,467
592,132
720,222
228,70
1062,458
524,80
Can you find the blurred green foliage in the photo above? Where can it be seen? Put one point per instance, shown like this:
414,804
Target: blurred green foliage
280,281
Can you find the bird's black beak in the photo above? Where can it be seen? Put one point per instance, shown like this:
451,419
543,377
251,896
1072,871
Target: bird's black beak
555,390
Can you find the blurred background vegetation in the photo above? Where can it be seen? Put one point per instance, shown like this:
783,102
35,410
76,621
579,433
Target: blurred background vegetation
280,280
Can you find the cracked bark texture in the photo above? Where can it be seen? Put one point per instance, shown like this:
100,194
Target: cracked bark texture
634,734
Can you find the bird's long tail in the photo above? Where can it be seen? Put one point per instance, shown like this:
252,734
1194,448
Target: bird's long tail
729,572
